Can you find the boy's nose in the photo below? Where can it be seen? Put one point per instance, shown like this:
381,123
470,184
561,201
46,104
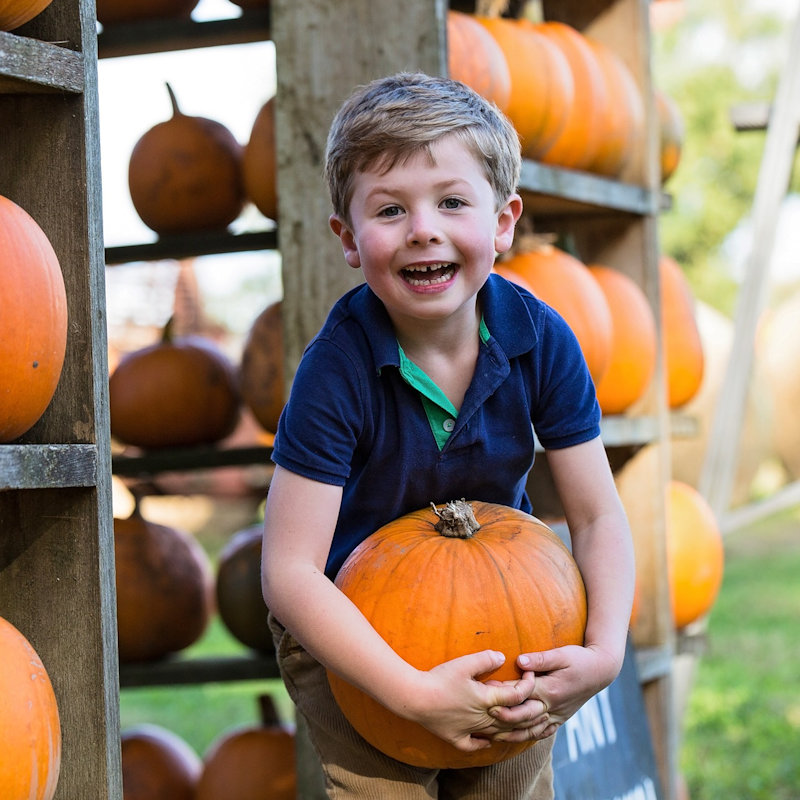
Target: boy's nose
422,230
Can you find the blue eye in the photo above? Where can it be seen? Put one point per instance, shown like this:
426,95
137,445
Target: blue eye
390,211
452,203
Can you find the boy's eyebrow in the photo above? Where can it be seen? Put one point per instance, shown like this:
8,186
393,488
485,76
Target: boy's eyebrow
442,185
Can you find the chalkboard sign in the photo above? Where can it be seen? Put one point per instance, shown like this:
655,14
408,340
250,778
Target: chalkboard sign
604,752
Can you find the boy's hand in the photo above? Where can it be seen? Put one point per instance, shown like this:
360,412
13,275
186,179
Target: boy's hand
455,704
565,678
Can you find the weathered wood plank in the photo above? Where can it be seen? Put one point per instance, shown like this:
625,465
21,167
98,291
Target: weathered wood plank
186,671
30,65
46,466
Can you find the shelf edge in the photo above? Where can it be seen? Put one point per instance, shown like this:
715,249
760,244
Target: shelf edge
47,466
28,65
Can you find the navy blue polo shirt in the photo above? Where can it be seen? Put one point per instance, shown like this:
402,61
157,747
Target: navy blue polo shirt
353,421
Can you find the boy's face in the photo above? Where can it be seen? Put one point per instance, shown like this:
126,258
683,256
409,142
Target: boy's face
426,234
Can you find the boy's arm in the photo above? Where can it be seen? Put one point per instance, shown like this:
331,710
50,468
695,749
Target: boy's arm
300,518
603,549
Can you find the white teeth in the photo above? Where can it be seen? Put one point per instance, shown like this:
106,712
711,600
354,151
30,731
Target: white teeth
446,273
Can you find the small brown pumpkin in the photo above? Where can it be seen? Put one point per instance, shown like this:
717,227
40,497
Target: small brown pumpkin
33,321
165,587
178,392
671,134
116,12
185,174
261,380
240,602
157,764
259,171
30,731
14,13
536,601
251,762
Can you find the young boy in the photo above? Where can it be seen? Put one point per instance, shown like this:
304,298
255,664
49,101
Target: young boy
423,386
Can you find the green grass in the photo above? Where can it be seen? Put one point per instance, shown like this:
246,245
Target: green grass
742,726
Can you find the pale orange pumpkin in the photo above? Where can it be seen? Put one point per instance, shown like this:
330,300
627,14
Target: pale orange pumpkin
671,134
185,174
33,321
695,554
259,163
578,144
634,342
542,88
30,730
563,282
475,58
14,13
683,345
395,577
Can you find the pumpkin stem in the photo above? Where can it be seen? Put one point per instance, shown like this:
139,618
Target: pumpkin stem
456,519
168,334
268,712
176,112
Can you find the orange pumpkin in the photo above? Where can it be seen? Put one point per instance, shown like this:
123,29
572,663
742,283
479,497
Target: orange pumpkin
179,392
563,282
695,554
261,381
240,602
14,13
251,762
30,731
634,342
395,577
475,58
542,89
623,114
671,134
185,175
259,170
115,12
683,345
165,588
157,764
578,144
33,321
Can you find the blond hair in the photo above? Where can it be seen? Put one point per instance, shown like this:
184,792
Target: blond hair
391,119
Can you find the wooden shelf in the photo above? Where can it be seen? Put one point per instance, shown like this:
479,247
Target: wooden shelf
187,459
30,66
47,466
187,671
155,36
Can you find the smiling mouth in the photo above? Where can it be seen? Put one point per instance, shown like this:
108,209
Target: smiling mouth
429,274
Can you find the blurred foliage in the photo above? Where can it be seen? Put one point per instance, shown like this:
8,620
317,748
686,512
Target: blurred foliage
719,55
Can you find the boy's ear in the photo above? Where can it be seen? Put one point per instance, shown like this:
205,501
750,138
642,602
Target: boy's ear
506,222
339,227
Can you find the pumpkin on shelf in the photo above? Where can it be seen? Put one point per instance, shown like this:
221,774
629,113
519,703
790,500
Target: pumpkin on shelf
261,381
563,282
14,13
185,175
33,322
165,588
537,601
259,171
30,728
117,12
240,603
683,345
671,134
634,341
179,392
695,554
475,58
252,761
542,86
157,764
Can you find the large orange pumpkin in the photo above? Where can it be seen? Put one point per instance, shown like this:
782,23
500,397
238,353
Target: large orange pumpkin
185,175
671,133
33,321
179,392
14,13
251,762
564,282
157,764
542,89
634,342
475,58
536,601
165,587
30,731
578,144
695,554
259,163
683,345
115,12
